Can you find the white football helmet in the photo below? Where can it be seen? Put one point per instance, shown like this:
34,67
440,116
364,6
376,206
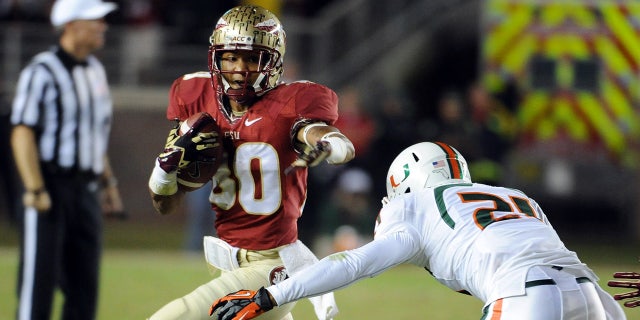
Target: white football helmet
254,28
423,165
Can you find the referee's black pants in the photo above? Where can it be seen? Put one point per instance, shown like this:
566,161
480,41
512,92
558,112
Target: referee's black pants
61,249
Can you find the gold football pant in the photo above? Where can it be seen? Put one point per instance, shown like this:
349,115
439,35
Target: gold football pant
257,269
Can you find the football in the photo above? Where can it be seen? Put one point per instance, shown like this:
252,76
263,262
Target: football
203,163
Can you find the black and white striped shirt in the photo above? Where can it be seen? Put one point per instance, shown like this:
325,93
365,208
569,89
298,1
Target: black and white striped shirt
69,106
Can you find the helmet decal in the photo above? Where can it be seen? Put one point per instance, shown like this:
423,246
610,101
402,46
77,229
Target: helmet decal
452,159
406,175
221,24
438,164
268,26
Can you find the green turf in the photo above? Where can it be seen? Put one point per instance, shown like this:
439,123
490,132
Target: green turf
137,282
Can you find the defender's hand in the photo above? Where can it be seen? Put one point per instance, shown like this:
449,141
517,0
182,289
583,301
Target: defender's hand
243,304
311,157
627,284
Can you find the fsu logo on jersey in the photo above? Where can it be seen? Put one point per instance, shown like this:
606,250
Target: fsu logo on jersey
278,274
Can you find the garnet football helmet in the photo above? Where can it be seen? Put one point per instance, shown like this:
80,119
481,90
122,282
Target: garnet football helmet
252,28
423,165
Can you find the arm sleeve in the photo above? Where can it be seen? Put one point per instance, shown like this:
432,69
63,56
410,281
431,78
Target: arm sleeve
175,108
345,268
314,101
188,95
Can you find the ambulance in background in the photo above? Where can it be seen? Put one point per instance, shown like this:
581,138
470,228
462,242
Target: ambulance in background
576,68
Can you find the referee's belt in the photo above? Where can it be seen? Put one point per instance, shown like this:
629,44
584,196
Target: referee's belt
71,172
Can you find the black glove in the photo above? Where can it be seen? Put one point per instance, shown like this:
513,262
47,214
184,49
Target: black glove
243,304
180,150
311,157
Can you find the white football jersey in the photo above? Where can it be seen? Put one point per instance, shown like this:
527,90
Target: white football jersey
472,238
477,238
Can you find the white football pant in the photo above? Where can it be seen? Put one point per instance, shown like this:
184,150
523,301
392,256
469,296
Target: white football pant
553,294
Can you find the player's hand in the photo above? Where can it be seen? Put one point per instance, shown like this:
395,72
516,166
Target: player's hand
243,304
311,157
172,155
179,151
627,284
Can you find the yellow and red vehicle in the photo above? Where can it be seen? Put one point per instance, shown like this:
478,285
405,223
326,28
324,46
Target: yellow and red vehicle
576,66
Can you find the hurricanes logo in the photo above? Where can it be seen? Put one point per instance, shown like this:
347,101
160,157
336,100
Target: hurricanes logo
278,274
406,175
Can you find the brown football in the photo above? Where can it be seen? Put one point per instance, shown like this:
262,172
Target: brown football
206,162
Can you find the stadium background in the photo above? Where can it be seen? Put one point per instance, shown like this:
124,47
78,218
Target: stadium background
567,75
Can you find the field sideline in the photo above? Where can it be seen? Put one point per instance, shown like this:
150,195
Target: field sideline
137,282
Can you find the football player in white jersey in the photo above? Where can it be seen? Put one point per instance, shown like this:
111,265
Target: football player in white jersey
493,243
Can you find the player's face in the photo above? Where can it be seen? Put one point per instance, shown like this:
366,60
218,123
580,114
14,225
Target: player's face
240,67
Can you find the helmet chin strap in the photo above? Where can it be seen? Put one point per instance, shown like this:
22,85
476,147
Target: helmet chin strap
244,95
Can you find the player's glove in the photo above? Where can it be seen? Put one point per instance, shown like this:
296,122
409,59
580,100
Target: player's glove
311,157
627,284
180,150
243,304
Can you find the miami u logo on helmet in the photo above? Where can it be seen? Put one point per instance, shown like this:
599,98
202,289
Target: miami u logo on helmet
406,175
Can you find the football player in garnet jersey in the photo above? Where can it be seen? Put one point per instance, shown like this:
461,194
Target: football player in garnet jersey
271,133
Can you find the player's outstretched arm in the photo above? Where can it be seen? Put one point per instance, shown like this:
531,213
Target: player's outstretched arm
633,297
243,304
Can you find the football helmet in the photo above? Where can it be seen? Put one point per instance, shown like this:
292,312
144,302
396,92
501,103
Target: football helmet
423,165
254,28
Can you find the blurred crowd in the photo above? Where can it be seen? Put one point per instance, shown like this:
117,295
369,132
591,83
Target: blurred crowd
343,200
193,16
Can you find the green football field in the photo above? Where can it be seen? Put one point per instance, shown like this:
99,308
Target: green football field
136,282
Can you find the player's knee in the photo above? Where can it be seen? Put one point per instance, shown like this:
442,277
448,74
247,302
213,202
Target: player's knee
176,309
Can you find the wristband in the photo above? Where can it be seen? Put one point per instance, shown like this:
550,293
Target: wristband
163,183
308,127
339,147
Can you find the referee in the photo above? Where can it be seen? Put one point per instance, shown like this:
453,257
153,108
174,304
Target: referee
61,117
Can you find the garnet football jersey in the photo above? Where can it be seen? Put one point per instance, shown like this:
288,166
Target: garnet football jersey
257,206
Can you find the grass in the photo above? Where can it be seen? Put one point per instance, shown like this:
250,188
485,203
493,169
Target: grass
136,283
138,278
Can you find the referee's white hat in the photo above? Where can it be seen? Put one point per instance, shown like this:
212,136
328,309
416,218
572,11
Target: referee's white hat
64,11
